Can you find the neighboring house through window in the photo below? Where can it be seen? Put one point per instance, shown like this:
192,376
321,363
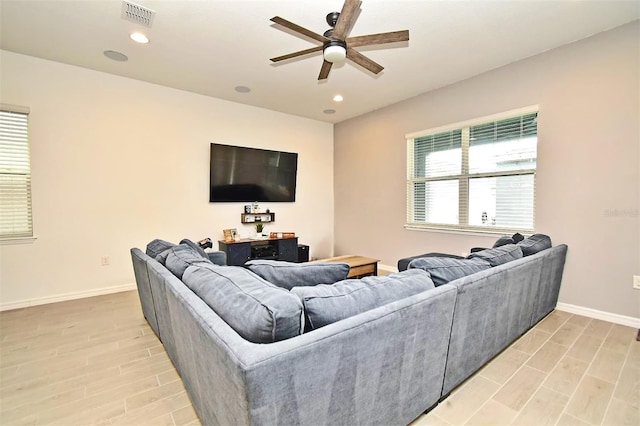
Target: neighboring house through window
15,174
476,176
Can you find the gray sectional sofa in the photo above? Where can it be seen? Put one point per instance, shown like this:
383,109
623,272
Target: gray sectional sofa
385,361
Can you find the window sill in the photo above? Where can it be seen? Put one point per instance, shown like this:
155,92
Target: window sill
474,232
19,240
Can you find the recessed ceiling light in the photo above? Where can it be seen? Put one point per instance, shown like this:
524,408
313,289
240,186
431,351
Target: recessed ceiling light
338,98
139,38
116,56
242,89
329,111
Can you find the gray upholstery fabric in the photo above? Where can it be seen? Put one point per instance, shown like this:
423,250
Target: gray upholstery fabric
217,257
550,279
156,247
534,244
519,293
259,311
403,264
326,304
180,257
196,247
445,269
499,255
503,241
288,275
383,366
139,260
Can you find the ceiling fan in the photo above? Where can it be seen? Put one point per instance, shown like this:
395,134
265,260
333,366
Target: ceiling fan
336,46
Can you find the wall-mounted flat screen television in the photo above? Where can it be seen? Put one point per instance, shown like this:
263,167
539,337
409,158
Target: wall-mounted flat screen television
249,174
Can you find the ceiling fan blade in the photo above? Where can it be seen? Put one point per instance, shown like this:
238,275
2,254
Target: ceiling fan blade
382,38
324,71
363,61
297,28
346,19
296,54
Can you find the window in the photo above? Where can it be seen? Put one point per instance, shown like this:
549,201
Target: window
477,176
15,174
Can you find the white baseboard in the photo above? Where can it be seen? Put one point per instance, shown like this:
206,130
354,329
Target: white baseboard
65,296
601,315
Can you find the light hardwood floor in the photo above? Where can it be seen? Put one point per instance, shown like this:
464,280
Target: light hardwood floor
96,361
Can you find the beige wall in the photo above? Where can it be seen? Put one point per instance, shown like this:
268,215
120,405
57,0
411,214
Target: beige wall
117,162
587,193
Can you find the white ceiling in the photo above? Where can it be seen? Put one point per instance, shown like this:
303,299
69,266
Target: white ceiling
210,47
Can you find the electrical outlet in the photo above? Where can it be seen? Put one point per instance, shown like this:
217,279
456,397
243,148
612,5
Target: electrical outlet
105,261
636,282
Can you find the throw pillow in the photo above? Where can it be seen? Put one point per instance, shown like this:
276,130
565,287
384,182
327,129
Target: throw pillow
258,311
503,241
180,257
499,255
445,269
325,304
288,275
156,247
196,247
534,244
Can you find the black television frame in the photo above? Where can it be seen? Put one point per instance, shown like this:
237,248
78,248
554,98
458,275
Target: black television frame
246,174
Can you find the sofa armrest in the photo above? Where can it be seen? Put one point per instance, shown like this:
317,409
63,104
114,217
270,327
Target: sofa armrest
218,257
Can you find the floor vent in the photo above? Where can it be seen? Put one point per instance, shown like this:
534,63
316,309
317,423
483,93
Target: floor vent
138,14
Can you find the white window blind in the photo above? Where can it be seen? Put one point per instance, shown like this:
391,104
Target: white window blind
15,174
477,176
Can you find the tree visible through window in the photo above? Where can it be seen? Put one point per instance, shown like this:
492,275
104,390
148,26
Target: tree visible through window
475,176
15,174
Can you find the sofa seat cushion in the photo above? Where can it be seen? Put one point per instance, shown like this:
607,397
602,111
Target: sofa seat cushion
445,269
534,244
180,257
288,275
498,255
325,304
257,310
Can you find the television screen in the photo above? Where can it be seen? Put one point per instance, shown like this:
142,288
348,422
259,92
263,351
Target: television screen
250,174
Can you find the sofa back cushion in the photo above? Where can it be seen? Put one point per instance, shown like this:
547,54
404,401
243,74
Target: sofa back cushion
258,311
325,304
498,255
180,257
534,244
288,275
445,269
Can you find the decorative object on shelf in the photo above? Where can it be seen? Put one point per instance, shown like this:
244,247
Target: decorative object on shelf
247,208
256,208
230,235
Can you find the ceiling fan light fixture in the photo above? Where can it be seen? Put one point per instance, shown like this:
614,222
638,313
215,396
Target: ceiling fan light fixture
335,51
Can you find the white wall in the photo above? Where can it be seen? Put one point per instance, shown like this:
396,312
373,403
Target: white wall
117,162
587,192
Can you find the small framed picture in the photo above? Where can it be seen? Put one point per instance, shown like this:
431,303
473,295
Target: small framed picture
247,208
230,235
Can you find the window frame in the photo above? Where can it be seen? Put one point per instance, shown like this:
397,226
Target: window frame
464,177
28,235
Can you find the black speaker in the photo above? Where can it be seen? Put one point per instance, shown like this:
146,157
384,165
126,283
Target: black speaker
303,253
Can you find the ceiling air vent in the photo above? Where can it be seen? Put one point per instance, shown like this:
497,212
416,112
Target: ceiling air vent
138,14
